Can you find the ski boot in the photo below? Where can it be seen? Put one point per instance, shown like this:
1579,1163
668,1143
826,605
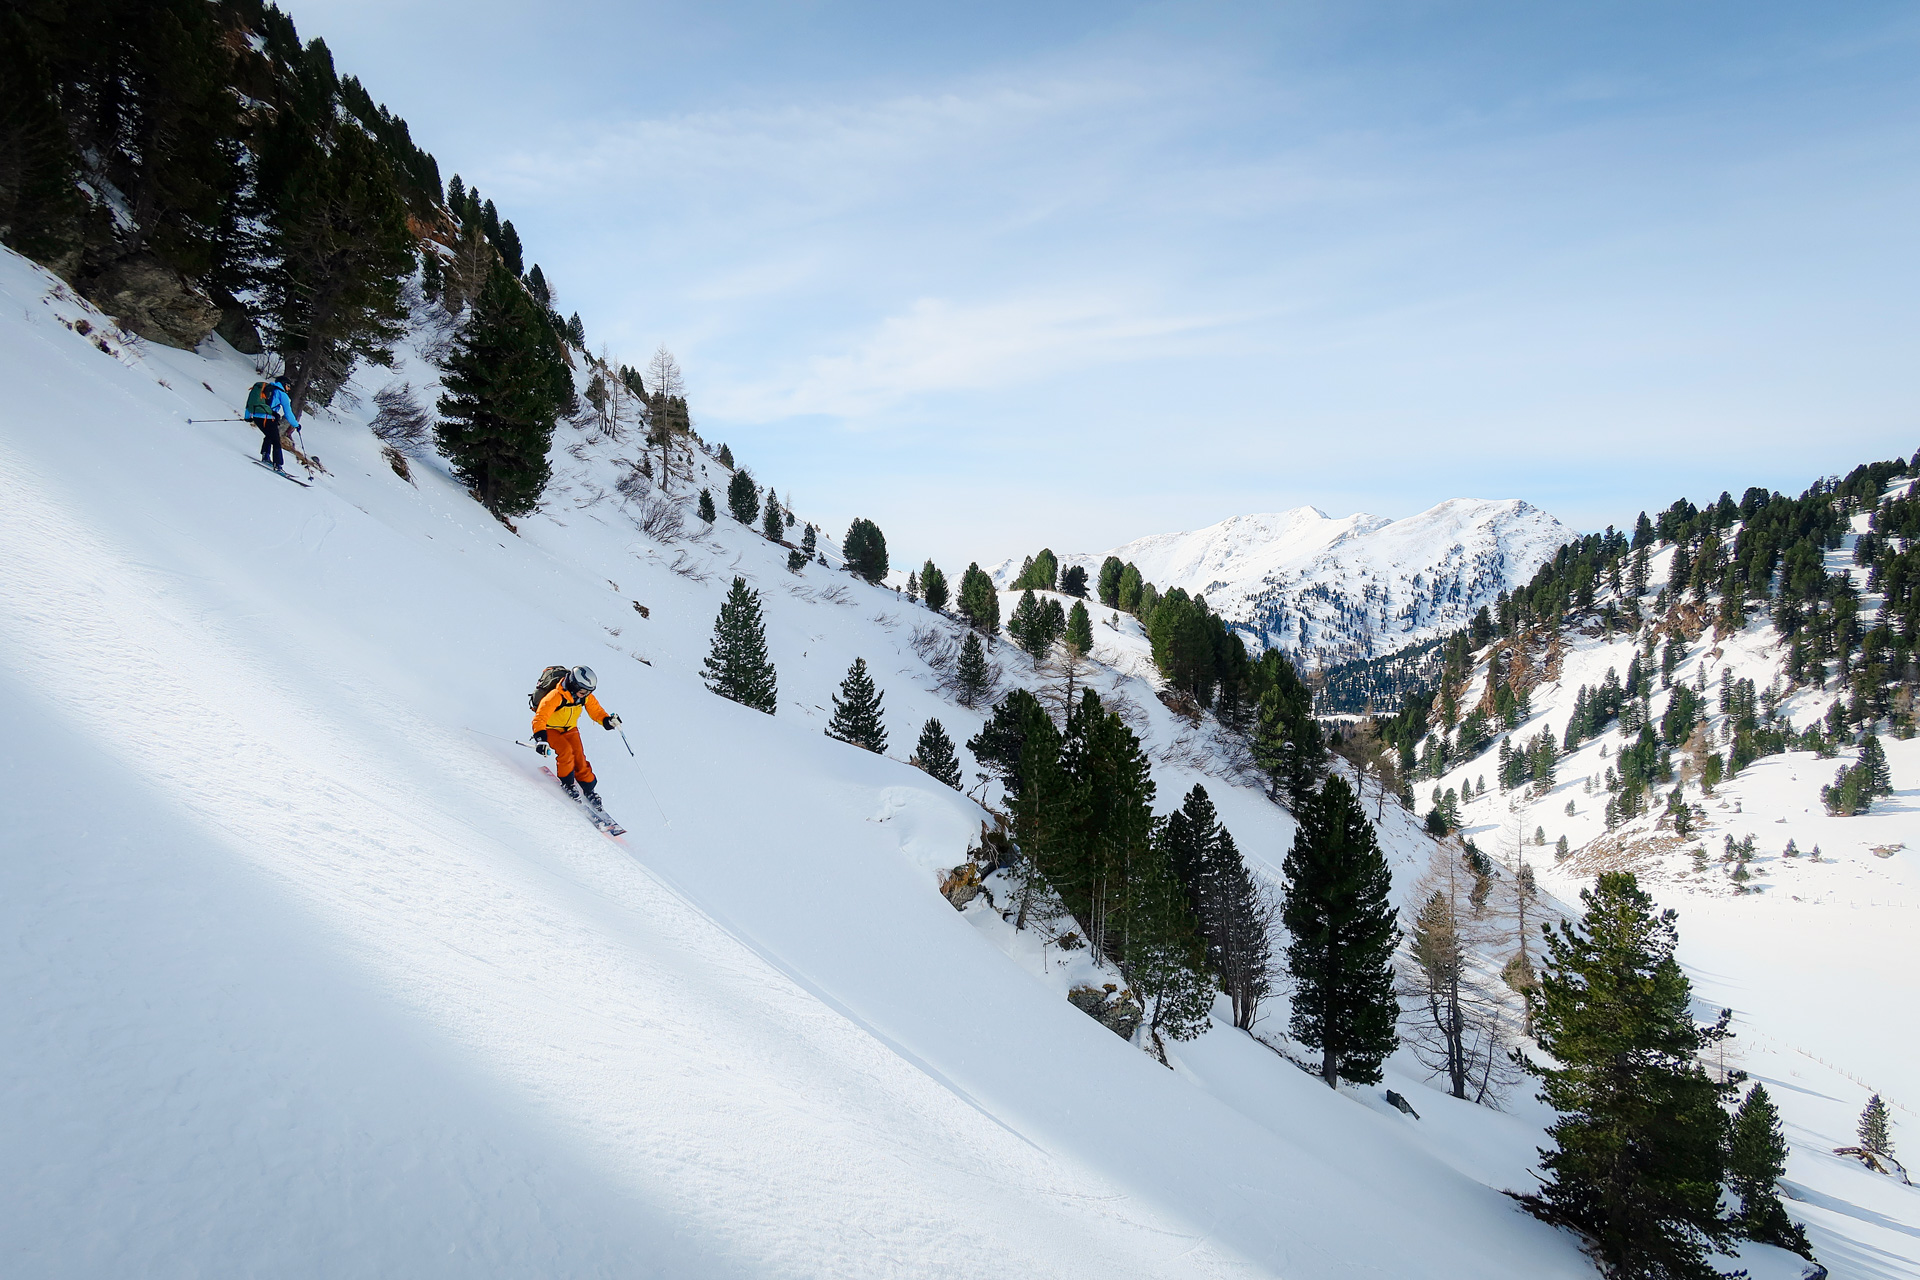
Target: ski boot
593,795
567,785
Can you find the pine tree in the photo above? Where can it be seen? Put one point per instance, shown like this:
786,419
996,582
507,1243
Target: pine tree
1874,1128
576,332
866,550
773,527
857,713
725,457
1230,914
506,384
1080,629
743,497
1074,582
1286,742
796,561
1638,1146
1339,913
934,754
737,665
1877,778
1108,587
707,512
339,250
933,586
1756,1161
979,603
913,584
1028,626
1132,589
971,670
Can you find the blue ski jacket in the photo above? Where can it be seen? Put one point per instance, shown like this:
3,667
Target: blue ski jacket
281,406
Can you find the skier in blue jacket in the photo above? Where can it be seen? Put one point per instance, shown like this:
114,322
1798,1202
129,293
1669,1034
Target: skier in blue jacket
269,409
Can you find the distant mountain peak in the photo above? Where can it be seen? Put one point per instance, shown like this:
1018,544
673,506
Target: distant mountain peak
1330,589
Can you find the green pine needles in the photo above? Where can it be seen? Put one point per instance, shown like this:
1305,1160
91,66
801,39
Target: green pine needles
974,676
934,754
506,381
856,711
743,498
737,665
1340,916
866,550
979,603
1638,1153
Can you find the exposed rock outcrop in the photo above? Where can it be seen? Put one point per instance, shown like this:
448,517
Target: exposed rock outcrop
151,299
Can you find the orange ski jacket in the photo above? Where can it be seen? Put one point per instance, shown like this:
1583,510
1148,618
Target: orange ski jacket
561,710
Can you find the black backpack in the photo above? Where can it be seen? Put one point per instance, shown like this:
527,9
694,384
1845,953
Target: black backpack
549,678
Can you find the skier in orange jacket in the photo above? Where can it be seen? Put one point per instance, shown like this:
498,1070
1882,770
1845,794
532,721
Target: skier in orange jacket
555,728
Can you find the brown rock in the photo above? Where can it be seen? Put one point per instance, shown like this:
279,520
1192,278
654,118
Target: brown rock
153,300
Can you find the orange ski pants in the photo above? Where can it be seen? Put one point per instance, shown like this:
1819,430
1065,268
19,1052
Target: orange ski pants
569,754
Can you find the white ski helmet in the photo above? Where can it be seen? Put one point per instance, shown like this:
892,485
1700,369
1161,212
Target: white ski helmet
583,680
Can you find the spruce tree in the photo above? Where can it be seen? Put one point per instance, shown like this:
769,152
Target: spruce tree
743,497
725,457
1080,629
774,527
1874,1132
866,550
913,584
933,586
934,754
506,384
737,665
1339,912
1074,582
1639,1144
1287,746
1131,589
856,711
971,670
796,561
979,603
1756,1161
707,512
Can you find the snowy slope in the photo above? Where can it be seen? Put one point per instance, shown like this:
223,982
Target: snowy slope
311,974
1329,590
1811,955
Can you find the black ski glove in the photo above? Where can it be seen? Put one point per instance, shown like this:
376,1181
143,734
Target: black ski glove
611,723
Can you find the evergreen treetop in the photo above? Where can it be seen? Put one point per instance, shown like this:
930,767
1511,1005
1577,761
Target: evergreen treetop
743,497
979,603
933,586
934,753
866,550
971,670
1638,1147
737,665
1339,912
506,384
857,711
707,512
1875,1133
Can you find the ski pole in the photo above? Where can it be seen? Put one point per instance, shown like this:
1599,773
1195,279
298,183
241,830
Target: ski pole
199,420
649,786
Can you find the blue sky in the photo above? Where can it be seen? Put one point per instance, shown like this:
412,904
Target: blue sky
999,276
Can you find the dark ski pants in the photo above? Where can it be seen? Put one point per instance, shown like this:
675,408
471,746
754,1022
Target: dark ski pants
270,441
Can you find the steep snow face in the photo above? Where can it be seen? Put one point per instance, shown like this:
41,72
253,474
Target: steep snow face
310,972
1329,590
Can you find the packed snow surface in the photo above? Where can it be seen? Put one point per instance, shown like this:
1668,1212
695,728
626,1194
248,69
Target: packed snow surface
1329,590
309,972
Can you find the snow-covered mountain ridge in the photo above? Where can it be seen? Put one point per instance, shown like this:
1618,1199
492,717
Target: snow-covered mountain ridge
1331,590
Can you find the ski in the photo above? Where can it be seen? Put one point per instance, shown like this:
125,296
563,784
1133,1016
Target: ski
267,466
600,818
